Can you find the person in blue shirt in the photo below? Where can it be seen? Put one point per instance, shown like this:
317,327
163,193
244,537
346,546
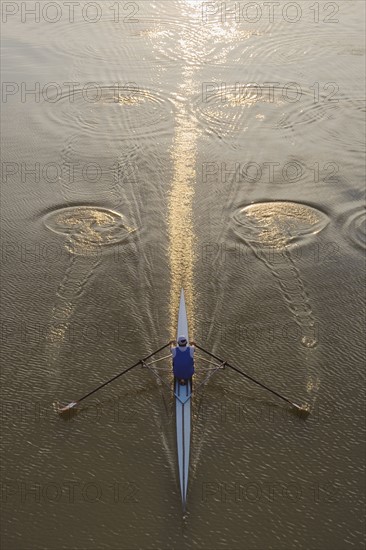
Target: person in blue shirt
183,359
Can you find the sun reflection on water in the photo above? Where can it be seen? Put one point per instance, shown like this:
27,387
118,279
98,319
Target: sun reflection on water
180,223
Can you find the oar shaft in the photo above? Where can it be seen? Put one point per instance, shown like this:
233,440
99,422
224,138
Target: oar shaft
248,377
123,372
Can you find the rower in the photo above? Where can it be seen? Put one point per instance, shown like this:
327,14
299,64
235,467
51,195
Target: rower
183,360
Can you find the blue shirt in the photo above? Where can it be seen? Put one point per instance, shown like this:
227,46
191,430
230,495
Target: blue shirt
183,363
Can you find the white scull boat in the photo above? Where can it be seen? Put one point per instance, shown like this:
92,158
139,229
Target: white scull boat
182,396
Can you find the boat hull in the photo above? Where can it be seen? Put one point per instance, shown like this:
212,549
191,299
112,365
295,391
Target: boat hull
183,425
183,411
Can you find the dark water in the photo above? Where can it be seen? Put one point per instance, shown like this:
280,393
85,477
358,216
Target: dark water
149,146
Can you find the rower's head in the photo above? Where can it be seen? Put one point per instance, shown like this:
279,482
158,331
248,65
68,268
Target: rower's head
182,341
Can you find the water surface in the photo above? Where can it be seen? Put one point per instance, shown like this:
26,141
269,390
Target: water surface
171,144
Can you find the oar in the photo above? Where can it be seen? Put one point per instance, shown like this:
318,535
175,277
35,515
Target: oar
140,362
297,407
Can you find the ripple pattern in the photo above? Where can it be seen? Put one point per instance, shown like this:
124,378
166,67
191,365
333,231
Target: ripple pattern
356,228
88,230
88,227
277,225
103,111
228,111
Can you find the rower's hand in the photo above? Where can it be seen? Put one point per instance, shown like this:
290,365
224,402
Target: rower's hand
193,344
172,342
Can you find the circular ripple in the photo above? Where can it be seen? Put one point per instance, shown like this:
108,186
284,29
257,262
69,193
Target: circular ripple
228,111
279,223
171,39
309,114
282,48
88,227
345,133
112,112
103,42
356,228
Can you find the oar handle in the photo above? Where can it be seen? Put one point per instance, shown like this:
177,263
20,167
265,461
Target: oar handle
249,377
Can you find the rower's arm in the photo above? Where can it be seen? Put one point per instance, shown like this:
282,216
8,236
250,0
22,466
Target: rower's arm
172,348
172,345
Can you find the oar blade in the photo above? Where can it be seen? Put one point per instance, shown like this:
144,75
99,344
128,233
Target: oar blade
303,410
66,408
